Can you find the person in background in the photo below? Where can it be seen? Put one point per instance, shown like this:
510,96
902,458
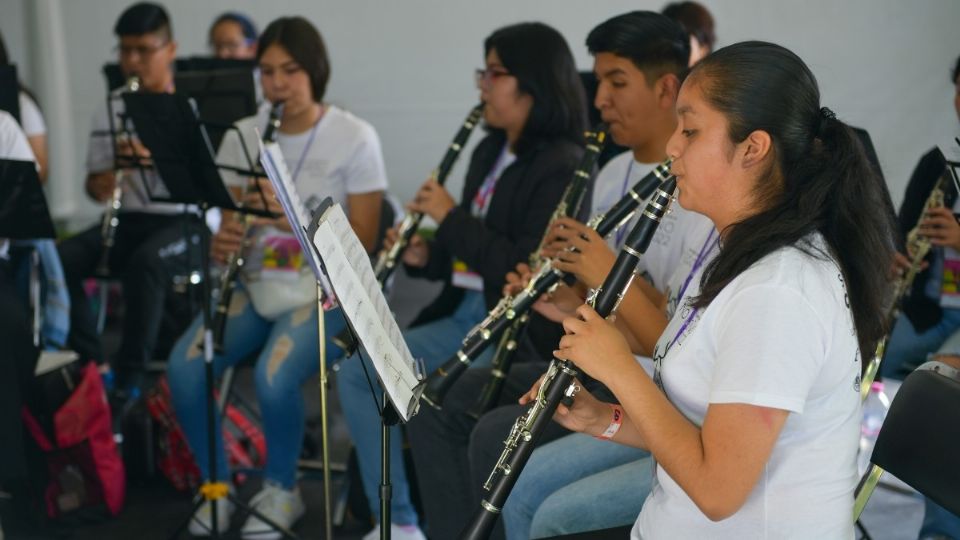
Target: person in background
698,23
233,35
154,240
929,323
535,115
273,312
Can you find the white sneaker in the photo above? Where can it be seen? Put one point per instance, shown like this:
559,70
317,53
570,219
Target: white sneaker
201,524
276,504
397,532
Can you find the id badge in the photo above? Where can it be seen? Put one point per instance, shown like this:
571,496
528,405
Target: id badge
465,278
950,289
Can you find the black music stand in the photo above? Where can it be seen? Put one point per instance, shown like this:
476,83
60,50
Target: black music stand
211,63
23,208
389,416
223,96
168,126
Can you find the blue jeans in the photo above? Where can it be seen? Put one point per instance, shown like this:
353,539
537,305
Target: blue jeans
433,343
577,484
909,346
288,355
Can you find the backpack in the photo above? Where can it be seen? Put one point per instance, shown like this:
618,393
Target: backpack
243,441
84,467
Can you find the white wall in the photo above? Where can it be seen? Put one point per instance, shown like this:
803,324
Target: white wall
406,66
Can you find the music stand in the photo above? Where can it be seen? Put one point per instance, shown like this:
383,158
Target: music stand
222,96
168,126
10,91
211,63
23,208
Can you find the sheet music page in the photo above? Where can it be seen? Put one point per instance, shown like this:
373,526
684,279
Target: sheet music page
350,275
362,300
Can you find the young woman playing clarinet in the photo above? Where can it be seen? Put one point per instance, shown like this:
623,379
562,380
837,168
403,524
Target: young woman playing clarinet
753,413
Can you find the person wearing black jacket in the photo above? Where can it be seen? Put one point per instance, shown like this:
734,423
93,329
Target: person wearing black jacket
535,113
930,321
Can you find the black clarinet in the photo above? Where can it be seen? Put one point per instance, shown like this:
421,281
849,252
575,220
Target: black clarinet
506,349
441,380
559,383
388,258
545,280
111,215
501,363
231,272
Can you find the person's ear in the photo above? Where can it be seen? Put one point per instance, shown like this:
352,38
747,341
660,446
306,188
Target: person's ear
755,149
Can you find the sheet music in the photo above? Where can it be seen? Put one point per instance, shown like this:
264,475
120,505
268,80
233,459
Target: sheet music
350,274
362,300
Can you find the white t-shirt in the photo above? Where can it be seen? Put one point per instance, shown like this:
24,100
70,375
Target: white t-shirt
13,140
340,156
14,146
31,119
136,195
779,335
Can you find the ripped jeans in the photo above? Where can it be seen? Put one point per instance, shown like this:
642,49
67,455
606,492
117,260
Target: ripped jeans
288,355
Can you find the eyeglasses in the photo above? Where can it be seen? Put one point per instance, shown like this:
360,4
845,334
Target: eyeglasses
484,77
229,47
142,51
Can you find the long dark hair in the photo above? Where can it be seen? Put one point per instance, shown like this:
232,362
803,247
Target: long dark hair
540,59
820,181
304,44
4,60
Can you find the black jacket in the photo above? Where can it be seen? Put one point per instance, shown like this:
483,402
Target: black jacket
526,195
923,312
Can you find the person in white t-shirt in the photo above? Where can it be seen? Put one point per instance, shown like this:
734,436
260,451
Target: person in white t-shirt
154,241
273,312
753,413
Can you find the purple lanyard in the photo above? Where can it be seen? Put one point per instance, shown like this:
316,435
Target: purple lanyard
303,156
701,257
482,199
622,231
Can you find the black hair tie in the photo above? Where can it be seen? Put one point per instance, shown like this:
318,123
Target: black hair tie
826,115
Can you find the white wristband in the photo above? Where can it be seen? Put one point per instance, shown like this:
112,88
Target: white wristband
615,424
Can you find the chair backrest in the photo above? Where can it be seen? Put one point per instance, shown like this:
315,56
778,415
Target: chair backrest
920,438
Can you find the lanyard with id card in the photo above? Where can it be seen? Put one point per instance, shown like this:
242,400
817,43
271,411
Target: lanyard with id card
950,284
463,276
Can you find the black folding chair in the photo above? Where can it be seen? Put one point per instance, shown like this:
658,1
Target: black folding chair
920,438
